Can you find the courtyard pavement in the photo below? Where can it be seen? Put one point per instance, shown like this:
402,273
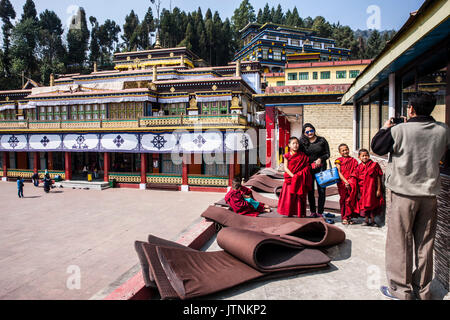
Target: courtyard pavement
74,244
71,243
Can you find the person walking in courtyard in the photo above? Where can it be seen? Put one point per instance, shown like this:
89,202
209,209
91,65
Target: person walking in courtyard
415,149
366,178
318,151
20,185
297,182
35,178
346,165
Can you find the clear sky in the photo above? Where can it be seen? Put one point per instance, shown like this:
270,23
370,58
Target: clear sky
392,13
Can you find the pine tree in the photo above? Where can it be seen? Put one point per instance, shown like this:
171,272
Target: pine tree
259,17
374,44
278,16
131,32
29,11
6,14
24,42
266,17
52,52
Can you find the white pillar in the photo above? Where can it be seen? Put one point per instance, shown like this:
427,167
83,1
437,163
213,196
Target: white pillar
392,95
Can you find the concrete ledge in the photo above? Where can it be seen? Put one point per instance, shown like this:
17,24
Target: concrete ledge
131,285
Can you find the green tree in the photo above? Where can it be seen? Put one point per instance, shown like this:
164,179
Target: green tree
24,41
243,15
278,16
322,27
131,32
6,14
374,44
294,19
266,17
29,11
147,26
52,52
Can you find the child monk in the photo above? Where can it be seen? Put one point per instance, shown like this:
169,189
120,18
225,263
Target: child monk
345,165
297,182
240,200
368,178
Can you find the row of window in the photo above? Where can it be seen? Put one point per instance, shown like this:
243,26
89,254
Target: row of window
324,75
130,110
295,42
206,108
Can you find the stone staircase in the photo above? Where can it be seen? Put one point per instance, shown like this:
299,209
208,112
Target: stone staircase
91,185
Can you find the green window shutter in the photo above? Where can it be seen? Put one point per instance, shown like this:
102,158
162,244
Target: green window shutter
303,76
292,76
325,75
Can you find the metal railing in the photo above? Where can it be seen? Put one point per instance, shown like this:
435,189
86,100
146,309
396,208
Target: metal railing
156,121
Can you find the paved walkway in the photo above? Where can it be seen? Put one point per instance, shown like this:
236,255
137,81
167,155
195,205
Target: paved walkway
46,240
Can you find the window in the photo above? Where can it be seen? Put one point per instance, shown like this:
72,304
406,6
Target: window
317,45
215,107
292,76
168,166
341,74
276,55
295,43
325,75
303,76
280,83
264,53
315,76
353,73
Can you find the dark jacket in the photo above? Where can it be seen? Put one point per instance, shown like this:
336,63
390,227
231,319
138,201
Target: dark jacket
317,149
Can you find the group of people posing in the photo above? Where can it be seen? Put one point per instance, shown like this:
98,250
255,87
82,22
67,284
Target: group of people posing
359,187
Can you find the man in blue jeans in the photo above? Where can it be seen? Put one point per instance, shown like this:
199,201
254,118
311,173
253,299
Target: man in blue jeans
20,187
415,149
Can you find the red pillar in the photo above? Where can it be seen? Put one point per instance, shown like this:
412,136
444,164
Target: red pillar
143,168
5,163
36,160
231,170
270,127
68,165
106,163
184,178
50,161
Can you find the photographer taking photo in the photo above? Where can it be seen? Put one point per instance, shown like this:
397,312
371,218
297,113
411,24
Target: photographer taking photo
415,149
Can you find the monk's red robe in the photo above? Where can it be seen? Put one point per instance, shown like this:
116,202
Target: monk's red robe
365,177
237,202
346,202
295,189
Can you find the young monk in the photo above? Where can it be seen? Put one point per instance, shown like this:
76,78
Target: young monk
240,200
297,181
367,176
345,165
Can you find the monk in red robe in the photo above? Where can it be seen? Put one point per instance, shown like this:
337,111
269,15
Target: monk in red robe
346,165
297,182
237,196
367,177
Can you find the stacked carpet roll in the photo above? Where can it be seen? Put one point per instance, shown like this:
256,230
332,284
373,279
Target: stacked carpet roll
442,247
253,248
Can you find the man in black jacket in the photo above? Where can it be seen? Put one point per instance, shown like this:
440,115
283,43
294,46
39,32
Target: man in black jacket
415,149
